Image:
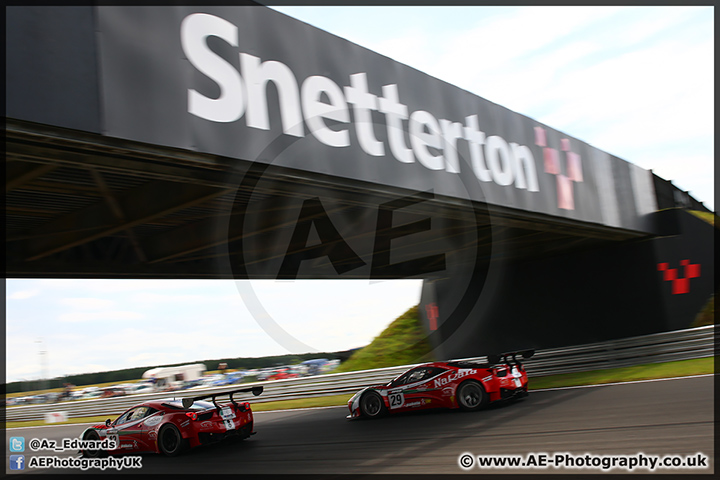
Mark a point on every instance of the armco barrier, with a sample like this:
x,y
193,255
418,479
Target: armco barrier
x,y
655,348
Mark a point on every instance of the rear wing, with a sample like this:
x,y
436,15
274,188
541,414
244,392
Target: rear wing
x,y
187,402
510,357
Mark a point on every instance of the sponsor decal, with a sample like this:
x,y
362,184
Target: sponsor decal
x,y
185,423
418,403
573,168
463,372
152,421
126,445
206,424
679,285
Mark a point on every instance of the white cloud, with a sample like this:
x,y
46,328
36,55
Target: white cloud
x,y
410,47
226,296
126,285
23,357
23,294
679,169
88,303
156,358
623,80
16,371
345,314
86,368
99,317
499,51
69,338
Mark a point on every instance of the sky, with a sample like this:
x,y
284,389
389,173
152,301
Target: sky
x,y
635,82
99,325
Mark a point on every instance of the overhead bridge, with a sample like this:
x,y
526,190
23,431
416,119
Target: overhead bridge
x,y
239,143
85,205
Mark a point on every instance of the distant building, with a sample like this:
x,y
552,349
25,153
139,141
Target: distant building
x,y
165,376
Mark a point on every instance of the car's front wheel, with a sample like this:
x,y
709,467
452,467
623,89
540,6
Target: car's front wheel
x,y
471,395
170,441
372,405
92,435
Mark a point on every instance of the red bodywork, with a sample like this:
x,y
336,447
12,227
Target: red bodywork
x,y
141,428
283,374
435,384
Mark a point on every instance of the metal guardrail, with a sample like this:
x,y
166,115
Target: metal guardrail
x,y
654,348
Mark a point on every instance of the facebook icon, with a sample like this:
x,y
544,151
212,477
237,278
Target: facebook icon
x,y
17,462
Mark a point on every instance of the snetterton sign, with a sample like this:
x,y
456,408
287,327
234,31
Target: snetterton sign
x,y
318,99
231,81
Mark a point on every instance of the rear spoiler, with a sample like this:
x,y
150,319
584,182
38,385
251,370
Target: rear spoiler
x,y
187,402
510,357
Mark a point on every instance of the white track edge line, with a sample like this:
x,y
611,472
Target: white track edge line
x,y
622,383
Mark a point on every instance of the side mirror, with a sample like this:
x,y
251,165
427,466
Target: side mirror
x,y
528,353
187,402
493,359
107,422
257,391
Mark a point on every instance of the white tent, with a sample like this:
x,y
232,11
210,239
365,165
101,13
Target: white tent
x,y
171,374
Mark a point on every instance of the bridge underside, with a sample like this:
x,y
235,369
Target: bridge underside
x,y
84,205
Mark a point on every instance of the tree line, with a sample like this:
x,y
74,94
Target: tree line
x,y
129,374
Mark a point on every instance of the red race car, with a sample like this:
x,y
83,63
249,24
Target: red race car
x,y
460,384
171,426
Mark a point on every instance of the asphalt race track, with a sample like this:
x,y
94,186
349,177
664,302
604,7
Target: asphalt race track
x,y
655,418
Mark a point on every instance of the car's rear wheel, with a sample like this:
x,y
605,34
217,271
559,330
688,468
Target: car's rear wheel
x,y
372,405
170,441
92,435
243,432
471,395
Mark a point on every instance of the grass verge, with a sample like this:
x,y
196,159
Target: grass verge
x,y
680,368
403,342
707,216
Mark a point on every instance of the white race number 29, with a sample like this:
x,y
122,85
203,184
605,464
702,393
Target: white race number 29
x,y
396,399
